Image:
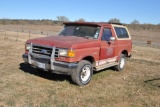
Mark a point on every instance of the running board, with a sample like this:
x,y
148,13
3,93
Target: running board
x,y
105,66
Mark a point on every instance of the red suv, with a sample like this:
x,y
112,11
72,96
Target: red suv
x,y
81,48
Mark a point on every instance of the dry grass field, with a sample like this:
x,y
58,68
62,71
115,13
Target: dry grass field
x,y
22,86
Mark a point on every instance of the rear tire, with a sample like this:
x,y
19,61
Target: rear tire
x,y
121,63
83,74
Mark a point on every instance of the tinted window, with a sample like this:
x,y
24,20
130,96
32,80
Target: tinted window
x,y
106,34
121,32
81,31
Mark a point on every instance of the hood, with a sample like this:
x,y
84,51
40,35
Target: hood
x,y
65,42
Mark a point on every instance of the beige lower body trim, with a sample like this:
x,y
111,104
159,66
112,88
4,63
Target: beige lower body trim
x,y
105,61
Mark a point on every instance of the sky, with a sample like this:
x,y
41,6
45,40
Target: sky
x,y
145,11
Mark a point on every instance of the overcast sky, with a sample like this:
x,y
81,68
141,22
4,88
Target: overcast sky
x,y
145,11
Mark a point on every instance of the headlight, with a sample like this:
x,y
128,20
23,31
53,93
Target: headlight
x,y
63,52
66,53
28,47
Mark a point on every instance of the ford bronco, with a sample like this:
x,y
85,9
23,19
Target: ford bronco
x,y
81,48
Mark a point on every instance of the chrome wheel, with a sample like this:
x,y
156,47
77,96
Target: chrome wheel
x,y
86,73
83,74
122,62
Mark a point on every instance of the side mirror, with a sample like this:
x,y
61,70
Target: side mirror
x,y
112,39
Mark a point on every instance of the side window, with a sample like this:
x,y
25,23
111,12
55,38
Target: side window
x,y
106,34
121,32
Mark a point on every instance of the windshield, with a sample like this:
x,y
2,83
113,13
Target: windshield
x,y
81,31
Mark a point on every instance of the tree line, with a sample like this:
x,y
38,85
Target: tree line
x,y
135,24
59,21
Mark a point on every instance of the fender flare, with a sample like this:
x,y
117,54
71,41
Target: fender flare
x,y
125,52
85,56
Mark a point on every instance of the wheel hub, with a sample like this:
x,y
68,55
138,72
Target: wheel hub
x,y
122,62
85,74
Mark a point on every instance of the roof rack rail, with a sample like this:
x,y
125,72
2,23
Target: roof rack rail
x,y
116,23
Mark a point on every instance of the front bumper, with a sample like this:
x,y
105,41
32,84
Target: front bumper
x,y
55,67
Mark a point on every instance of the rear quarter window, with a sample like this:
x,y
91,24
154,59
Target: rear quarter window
x,y
121,32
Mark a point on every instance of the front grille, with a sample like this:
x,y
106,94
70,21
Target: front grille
x,y
56,55
42,50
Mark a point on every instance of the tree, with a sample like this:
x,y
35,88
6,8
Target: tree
x,y
135,22
5,21
114,20
80,20
62,19
46,22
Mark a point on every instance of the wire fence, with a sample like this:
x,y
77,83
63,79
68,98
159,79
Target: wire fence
x,y
22,34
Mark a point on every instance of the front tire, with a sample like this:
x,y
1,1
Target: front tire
x,y
83,74
121,63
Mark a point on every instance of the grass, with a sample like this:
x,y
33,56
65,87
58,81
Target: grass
x,y
21,85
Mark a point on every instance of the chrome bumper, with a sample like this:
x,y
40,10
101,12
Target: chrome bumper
x,y
55,67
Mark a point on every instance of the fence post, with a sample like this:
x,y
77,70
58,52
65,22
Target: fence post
x,y
5,34
17,35
29,33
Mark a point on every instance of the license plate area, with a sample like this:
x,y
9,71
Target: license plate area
x,y
41,65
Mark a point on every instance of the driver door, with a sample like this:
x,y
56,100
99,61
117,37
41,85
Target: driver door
x,y
107,50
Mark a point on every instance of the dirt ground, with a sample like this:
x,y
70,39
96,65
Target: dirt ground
x,y
22,86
